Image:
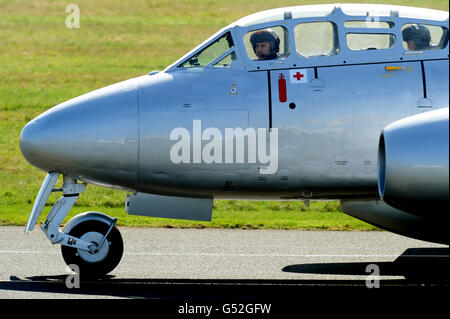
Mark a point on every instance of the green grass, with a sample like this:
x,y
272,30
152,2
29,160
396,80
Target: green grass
x,y
42,63
226,214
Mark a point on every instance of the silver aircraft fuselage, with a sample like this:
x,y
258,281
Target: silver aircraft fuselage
x,y
328,114
119,136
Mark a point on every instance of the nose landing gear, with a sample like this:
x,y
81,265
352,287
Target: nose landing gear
x,y
89,240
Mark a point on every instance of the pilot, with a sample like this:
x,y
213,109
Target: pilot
x,y
266,44
417,37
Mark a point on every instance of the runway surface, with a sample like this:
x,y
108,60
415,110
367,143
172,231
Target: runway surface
x,y
212,264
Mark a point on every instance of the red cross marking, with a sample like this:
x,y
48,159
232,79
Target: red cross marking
x,y
298,76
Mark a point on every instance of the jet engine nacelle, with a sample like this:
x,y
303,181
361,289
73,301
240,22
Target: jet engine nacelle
x,y
413,161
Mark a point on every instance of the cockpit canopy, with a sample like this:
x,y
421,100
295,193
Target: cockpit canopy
x,y
319,35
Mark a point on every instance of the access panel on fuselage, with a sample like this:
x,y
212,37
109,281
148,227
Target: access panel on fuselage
x,y
199,104
436,78
330,118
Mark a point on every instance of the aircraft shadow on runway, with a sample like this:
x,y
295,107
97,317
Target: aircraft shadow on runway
x,y
419,267
416,265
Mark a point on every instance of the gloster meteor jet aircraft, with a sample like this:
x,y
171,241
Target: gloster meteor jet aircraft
x,y
326,102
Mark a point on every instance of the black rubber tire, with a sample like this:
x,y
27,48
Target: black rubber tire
x,y
91,270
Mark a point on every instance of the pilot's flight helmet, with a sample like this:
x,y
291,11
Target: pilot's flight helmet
x,y
266,35
419,34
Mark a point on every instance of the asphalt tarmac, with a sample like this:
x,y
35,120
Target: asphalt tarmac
x,y
218,264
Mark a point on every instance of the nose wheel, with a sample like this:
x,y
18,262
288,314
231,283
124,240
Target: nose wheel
x,y
101,260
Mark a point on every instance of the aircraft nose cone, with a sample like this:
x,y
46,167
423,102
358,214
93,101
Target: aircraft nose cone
x,y
93,137
34,141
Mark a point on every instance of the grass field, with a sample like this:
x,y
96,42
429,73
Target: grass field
x,y
43,63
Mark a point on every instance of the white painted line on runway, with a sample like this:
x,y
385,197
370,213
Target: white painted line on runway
x,y
26,252
277,255
230,255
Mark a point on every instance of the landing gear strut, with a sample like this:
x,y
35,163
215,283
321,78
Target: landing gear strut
x,y
89,240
